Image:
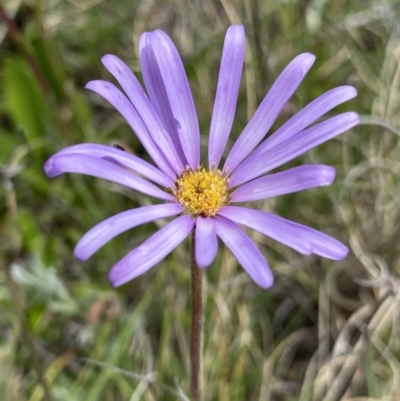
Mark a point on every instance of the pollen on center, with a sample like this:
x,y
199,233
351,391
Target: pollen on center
x,y
201,192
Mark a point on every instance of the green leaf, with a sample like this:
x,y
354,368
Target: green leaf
x,y
49,66
23,97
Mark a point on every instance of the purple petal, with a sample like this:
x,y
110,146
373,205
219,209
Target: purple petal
x,y
245,251
303,239
103,232
322,244
269,225
270,107
179,95
292,180
125,107
308,115
143,106
227,93
151,251
156,90
260,164
89,165
116,156
206,241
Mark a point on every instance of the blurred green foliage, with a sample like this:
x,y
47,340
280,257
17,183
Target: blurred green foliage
x,y
293,342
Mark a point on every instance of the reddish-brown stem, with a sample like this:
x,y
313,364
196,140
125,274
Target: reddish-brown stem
x,y
196,324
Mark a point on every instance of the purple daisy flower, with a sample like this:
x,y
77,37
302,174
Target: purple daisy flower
x,y
165,122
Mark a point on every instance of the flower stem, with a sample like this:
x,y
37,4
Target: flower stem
x,y
196,325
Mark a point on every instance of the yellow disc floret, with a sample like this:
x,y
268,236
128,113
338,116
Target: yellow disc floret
x,y
201,192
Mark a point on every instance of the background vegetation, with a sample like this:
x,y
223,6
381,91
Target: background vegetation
x,y
326,331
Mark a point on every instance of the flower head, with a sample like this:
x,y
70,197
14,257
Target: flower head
x,y
165,122
201,192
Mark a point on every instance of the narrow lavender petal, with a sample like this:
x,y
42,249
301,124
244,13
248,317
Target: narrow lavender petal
x,y
292,180
262,120
156,90
151,251
93,166
306,116
322,244
113,155
304,240
230,74
103,232
112,94
283,231
129,83
179,95
245,251
206,241
260,164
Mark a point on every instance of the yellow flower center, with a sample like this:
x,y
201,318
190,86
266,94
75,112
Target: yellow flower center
x,y
201,192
